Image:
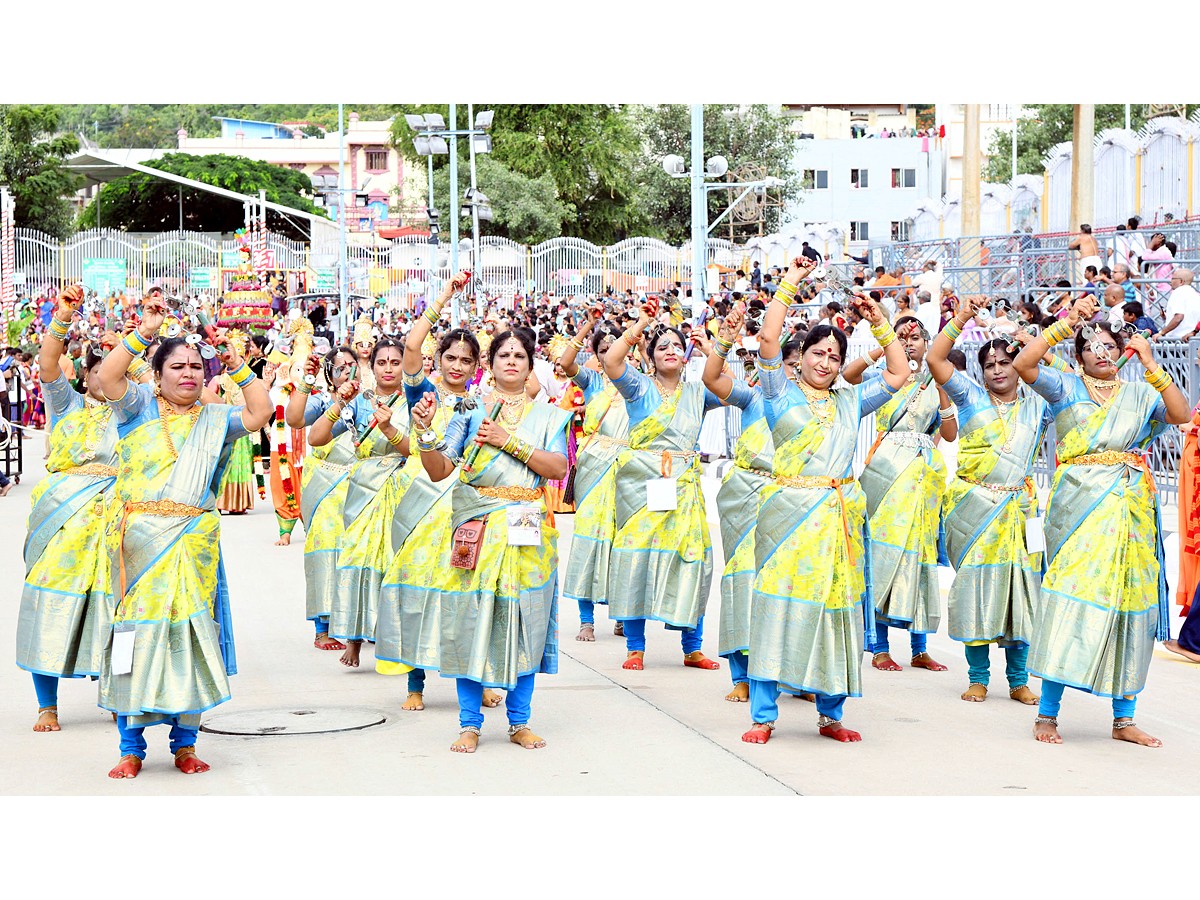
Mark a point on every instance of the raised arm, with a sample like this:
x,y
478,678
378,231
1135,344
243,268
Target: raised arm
x,y
297,404
258,407
614,359
1031,354
897,372
781,302
943,342
577,343
853,371
436,463
112,372
716,379
321,432
424,322
55,337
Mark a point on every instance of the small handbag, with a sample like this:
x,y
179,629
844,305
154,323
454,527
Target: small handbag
x,y
468,538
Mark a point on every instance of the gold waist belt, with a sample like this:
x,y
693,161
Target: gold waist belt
x,y
753,471
811,481
605,441
335,467
96,469
1108,458
511,493
1027,484
163,508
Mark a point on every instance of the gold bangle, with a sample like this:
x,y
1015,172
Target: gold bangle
x,y
331,415
952,330
1058,332
396,438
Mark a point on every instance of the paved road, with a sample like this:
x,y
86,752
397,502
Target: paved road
x,y
665,730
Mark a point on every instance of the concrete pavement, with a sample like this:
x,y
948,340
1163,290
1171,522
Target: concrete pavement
x,y
665,730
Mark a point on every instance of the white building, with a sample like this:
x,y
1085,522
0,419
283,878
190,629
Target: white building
x,y
871,187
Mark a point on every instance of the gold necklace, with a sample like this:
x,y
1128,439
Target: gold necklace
x,y
1002,408
663,392
164,410
513,406
91,438
818,402
1096,385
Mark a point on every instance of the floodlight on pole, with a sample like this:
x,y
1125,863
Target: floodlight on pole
x,y
674,166
716,167
415,122
483,120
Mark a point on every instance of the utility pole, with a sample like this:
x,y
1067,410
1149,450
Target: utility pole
x,y
699,210
1083,134
455,312
475,254
342,272
969,255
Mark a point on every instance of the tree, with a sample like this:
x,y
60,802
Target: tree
x,y
589,151
1052,123
526,210
749,136
140,202
31,164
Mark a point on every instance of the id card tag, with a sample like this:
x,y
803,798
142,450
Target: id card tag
x,y
662,494
1035,534
122,648
524,525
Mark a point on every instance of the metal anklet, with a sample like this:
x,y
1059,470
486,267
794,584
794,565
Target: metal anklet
x,y
1046,720
469,728
514,729
1118,725
827,722
770,726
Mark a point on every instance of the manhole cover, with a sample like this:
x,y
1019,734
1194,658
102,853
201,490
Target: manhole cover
x,y
260,722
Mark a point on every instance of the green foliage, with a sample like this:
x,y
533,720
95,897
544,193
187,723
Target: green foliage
x,y
1052,124
31,157
526,210
155,125
140,202
753,136
16,328
588,150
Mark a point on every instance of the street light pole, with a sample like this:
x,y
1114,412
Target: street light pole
x,y
342,274
455,313
474,216
699,210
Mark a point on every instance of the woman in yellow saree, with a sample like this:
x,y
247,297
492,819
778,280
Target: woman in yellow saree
x,y
737,500
661,556
323,486
171,648
377,422
811,606
606,433
1104,594
66,598
997,581
495,621
903,481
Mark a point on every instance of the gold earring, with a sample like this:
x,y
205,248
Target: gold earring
x,y
157,388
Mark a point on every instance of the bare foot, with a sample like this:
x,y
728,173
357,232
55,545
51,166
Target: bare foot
x,y
47,719
325,642
492,699
635,659
187,762
128,767
350,657
811,698
1174,647
587,632
284,540
840,732
619,629
1133,734
4,490
415,701
740,693
759,733
975,693
925,661
527,739
1046,731
466,743
1024,695
884,662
